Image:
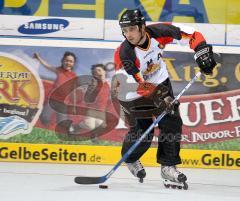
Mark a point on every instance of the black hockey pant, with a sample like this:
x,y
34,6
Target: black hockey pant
x,y
168,141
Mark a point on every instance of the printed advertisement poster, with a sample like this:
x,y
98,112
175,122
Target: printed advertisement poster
x,y
42,105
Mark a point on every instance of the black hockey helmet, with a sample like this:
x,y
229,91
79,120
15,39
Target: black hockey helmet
x,y
131,18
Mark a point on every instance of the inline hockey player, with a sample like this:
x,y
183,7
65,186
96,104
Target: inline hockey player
x,y
139,61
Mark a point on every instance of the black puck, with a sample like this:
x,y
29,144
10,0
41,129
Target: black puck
x,y
103,186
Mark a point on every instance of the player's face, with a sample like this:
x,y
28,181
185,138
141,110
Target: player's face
x,y
132,34
68,62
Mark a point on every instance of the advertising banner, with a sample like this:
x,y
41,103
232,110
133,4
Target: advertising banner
x,y
191,11
36,104
109,155
51,27
210,109
90,28
21,96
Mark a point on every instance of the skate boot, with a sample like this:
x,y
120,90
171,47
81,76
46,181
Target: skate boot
x,y
173,178
137,170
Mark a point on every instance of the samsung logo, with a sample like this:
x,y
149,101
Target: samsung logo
x,y
44,26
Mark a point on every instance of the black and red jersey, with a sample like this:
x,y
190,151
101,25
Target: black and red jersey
x,y
147,65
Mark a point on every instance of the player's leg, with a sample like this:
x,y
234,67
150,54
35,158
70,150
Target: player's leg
x,y
169,140
135,132
169,148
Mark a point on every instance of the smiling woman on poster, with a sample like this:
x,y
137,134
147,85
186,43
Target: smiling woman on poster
x,y
64,73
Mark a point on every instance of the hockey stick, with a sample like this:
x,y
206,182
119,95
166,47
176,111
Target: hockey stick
x,y
102,179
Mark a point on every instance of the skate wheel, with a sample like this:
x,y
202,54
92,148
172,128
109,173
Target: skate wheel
x,y
167,185
141,180
180,187
185,187
174,186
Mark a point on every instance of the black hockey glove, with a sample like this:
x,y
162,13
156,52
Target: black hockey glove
x,y
204,58
166,104
170,107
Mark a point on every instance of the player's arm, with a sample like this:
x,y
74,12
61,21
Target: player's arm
x,y
166,33
203,51
204,57
44,63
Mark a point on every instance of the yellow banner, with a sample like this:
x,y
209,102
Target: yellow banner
x,y
198,11
217,12
110,155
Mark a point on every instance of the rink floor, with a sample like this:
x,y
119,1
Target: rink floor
x,y
54,182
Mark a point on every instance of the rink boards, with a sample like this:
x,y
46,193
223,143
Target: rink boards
x,y
110,155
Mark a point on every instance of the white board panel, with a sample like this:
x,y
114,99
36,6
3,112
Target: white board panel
x,y
233,35
12,25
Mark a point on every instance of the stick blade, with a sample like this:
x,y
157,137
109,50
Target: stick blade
x,y
89,180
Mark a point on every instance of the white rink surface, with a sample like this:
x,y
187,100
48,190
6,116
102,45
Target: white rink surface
x,y
54,182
